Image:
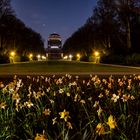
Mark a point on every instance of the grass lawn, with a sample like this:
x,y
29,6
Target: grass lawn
x,y
44,67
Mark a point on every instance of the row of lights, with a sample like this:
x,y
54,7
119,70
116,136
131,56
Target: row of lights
x,y
67,57
39,57
78,56
70,56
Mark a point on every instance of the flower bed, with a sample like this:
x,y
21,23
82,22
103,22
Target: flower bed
x,y
69,108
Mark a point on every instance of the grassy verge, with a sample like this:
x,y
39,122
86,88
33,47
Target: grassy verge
x,y
60,67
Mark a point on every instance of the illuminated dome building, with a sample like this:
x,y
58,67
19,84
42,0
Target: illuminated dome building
x,y
54,49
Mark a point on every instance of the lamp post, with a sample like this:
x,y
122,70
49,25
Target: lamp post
x,y
70,57
78,56
30,56
97,56
38,57
12,57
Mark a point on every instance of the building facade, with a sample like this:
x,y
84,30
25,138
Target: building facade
x,y
54,47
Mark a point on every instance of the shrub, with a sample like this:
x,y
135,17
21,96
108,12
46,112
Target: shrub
x,y
84,58
112,59
24,58
4,59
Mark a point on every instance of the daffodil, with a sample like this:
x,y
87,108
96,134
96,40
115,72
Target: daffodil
x,y
40,137
100,129
3,105
1,85
96,104
16,97
125,97
115,98
61,91
111,122
99,111
69,125
82,101
54,121
47,112
64,115
28,104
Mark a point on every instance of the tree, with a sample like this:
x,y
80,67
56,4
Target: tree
x,y
81,41
125,9
14,35
5,11
5,8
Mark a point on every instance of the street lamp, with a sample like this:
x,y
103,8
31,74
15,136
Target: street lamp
x,y
12,56
70,57
96,53
97,56
78,56
12,53
38,57
30,56
65,57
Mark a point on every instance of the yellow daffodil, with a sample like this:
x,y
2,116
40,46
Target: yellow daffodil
x,y
40,137
54,121
16,97
115,98
111,122
125,97
1,85
64,115
28,104
96,104
69,125
47,112
82,101
99,111
3,105
100,129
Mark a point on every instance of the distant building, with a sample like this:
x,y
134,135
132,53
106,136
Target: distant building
x,y
54,47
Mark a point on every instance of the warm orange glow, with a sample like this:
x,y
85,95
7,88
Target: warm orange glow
x,y
31,55
78,55
96,53
12,53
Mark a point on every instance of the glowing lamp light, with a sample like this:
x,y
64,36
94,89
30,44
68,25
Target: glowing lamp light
x,y
43,57
38,56
70,56
78,56
65,57
97,57
12,57
96,53
12,53
31,55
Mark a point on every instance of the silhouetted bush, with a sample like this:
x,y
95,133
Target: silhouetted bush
x,y
113,59
34,58
24,58
133,59
4,59
84,58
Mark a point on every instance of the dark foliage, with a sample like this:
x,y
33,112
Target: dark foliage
x,y
114,28
15,35
4,59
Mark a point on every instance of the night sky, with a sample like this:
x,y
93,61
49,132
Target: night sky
x,y
47,16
